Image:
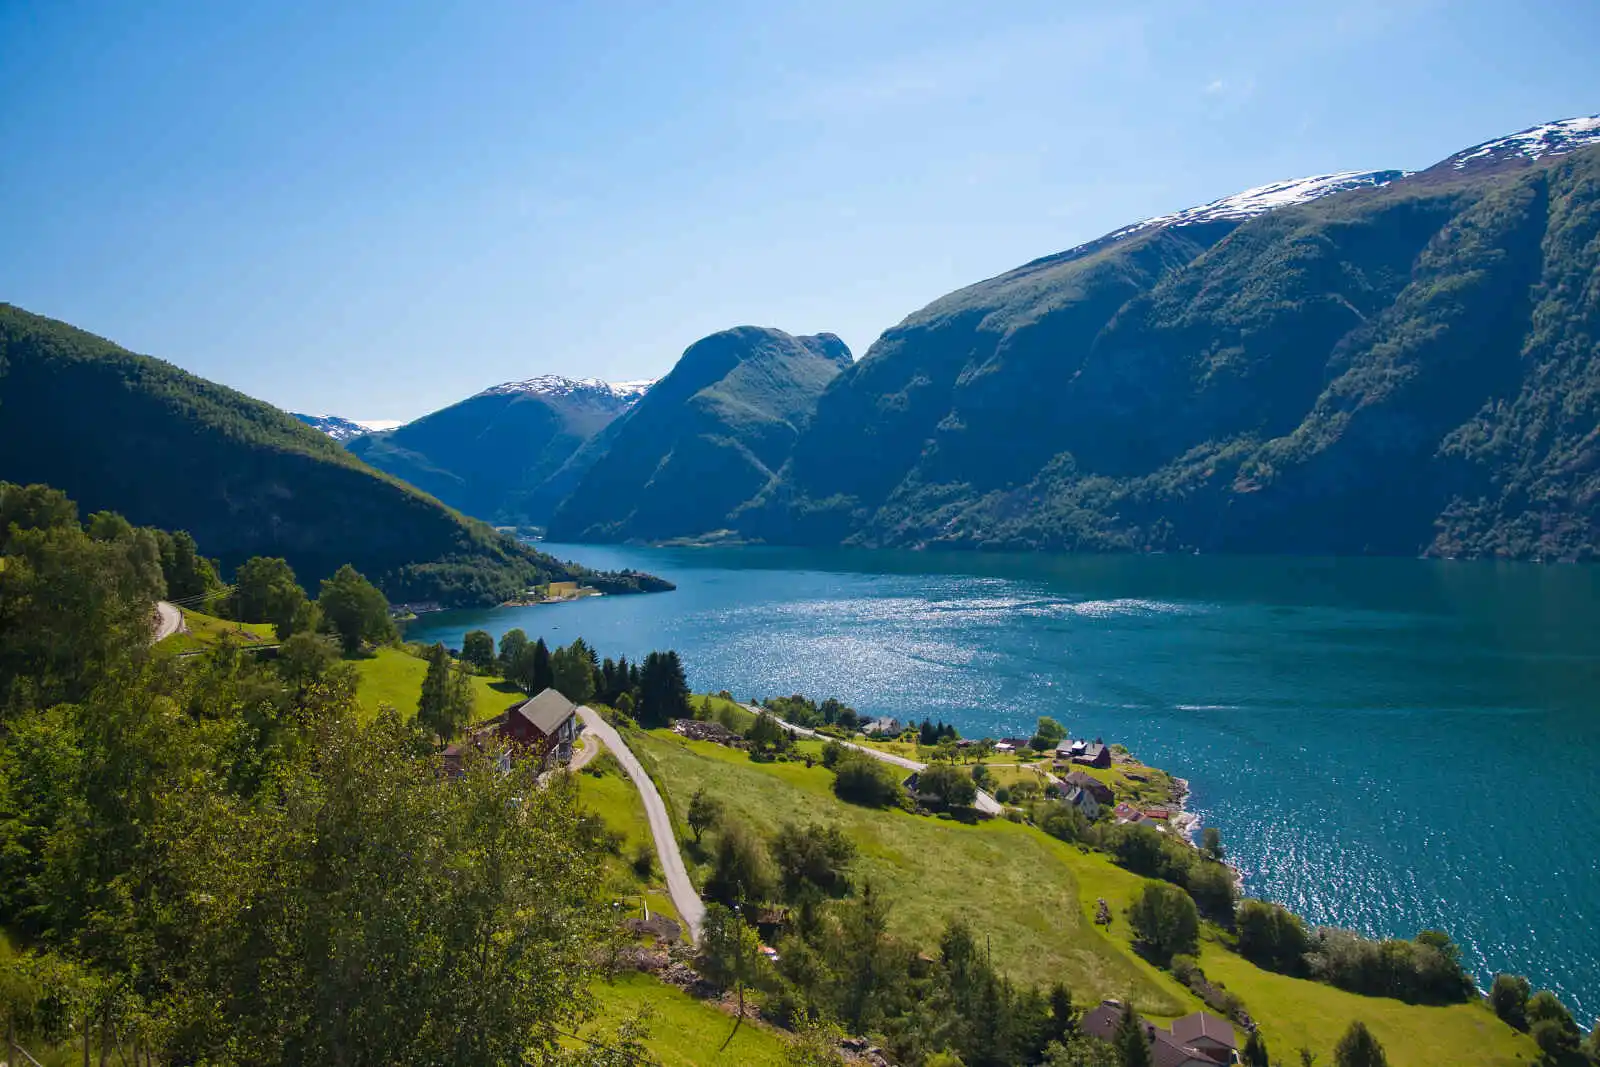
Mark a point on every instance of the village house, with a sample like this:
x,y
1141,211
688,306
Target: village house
x,y
1090,753
1083,800
1167,1048
881,727
1128,813
541,728
1098,789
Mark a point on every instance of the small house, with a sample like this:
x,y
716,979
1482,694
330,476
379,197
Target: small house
x,y
1095,754
1128,813
1166,1048
1085,780
1207,1033
1083,800
882,727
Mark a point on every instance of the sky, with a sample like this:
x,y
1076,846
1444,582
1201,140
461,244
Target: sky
x,y
377,209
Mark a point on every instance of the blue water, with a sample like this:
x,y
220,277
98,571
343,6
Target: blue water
x,y
1387,745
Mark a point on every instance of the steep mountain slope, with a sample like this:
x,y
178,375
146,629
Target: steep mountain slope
x,y
337,427
1404,366
702,440
130,433
493,454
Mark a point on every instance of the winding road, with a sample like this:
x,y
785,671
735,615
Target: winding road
x,y
168,621
691,909
985,803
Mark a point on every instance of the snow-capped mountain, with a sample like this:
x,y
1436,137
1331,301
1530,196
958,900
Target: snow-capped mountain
x,y
1535,142
1265,198
557,385
342,429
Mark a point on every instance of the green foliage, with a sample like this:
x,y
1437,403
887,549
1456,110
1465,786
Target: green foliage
x,y
447,701
1254,1053
1211,843
1358,1048
355,610
663,690
704,811
1129,1040
571,670
1165,920
860,779
265,590
1271,936
764,733
1508,995
947,786
477,648
1426,970
741,871
812,858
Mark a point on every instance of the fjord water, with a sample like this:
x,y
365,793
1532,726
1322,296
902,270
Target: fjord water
x,y
1388,745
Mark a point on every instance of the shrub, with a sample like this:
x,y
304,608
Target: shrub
x,y
1509,996
1061,820
813,856
947,786
1427,970
1003,795
1213,888
1272,937
741,873
644,860
863,780
832,752
1165,920
1358,1048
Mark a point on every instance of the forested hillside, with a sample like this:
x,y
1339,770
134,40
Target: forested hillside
x,y
1400,369
703,440
493,455
133,434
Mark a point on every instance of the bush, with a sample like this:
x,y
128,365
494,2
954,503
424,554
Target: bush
x,y
741,873
1185,968
1273,937
947,786
813,856
1165,920
1509,996
1003,795
863,780
644,861
1214,890
832,752
1061,820
1427,970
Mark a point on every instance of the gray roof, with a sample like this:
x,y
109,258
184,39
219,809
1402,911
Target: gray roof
x,y
547,711
1204,1024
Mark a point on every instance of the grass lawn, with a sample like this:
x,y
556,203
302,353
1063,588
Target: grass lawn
x,y
685,1032
1158,789
206,630
1296,1013
1032,896
394,676
709,706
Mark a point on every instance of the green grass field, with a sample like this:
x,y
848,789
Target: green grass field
x,y
612,795
206,630
685,1032
710,706
394,676
1033,898
1031,895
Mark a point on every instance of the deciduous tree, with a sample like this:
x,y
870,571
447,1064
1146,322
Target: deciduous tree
x,y
1358,1048
355,609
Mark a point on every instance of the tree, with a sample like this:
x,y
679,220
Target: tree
x,y
573,675
1050,730
1130,1040
663,690
1165,920
730,955
433,707
355,609
1211,843
765,733
1214,889
541,673
1271,936
1358,1048
1509,995
980,774
1546,1006
741,873
1558,1045
812,857
265,590
863,780
304,658
189,575
1255,1051
950,786
477,648
704,811
512,643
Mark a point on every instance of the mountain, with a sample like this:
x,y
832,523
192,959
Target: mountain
x,y
337,427
493,455
133,434
1358,363
701,441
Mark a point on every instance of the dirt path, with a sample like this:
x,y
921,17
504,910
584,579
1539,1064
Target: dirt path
x,y
169,620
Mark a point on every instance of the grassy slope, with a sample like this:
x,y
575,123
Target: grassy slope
x,y
206,630
1034,898
611,795
394,676
685,1032
1040,928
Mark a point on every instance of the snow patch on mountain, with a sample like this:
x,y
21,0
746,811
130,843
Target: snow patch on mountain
x,y
557,385
1265,198
342,429
1551,138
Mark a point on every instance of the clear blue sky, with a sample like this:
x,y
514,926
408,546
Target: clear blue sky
x,y
375,209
